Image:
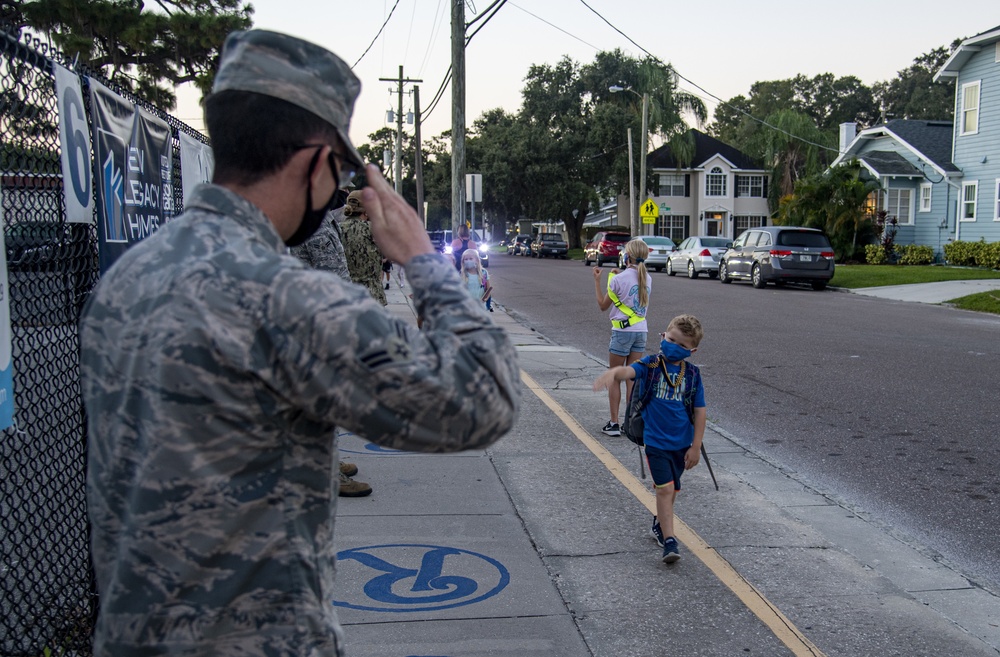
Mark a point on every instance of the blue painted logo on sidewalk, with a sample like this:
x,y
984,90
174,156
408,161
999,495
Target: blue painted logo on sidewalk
x,y
412,577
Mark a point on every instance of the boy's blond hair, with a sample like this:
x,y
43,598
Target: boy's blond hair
x,y
689,326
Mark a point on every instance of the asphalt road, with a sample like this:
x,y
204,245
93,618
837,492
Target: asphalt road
x,y
890,407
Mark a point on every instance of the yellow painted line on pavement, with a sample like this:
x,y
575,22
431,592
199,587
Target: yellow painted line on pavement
x,y
761,607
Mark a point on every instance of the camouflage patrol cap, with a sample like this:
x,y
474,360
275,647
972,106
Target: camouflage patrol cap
x,y
293,70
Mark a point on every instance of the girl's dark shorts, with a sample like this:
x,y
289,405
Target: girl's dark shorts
x,y
666,465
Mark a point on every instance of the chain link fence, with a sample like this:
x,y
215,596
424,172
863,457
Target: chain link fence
x,y
48,600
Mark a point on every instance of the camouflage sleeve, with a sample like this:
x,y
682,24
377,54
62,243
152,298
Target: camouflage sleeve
x,y
453,385
324,250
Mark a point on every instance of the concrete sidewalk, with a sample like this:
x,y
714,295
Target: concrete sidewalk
x,y
537,547
939,292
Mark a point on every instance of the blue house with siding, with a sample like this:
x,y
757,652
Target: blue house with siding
x,y
975,67
920,184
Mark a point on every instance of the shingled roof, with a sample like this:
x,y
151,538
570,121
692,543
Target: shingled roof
x,y
706,148
932,138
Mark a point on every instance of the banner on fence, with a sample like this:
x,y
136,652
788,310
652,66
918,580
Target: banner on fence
x,y
74,139
6,362
132,158
197,164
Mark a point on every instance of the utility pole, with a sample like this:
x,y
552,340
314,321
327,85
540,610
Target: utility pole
x,y
457,115
398,175
645,149
633,224
418,165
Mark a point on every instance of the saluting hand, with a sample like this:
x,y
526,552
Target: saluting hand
x,y
396,227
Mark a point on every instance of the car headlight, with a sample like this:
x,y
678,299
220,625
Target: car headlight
x,y
447,249
484,249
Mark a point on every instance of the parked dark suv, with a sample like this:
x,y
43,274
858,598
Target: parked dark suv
x,y
605,247
549,244
780,254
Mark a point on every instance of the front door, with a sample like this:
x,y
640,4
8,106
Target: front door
x,y
713,223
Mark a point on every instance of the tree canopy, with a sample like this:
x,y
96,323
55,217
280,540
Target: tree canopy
x,y
565,149
913,94
147,51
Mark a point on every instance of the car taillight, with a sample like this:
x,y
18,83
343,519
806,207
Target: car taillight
x,y
777,253
827,254
705,253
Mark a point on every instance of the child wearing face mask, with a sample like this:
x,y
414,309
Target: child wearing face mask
x,y
476,279
674,419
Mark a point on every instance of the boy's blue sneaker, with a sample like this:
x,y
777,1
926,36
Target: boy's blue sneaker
x,y
671,552
656,532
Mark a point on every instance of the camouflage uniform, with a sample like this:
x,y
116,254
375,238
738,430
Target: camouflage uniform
x,y
324,250
214,368
364,260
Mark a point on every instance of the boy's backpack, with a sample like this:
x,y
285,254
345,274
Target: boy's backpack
x,y
633,426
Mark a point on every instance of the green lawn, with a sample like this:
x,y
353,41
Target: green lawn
x,y
852,276
984,302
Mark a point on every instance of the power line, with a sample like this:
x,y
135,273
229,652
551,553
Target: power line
x,y
377,35
697,86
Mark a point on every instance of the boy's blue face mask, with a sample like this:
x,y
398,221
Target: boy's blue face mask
x,y
673,352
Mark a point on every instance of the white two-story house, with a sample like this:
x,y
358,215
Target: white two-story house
x,y
719,192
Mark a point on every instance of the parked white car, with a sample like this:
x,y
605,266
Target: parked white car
x,y
659,249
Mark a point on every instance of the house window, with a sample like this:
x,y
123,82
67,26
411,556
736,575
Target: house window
x,y
899,205
970,108
715,183
925,197
970,192
671,184
743,222
750,186
674,226
996,202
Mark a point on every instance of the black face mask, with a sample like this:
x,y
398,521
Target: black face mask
x,y
312,219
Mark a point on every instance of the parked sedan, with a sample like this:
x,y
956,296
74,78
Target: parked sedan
x,y
659,249
516,245
697,255
782,254
549,244
605,247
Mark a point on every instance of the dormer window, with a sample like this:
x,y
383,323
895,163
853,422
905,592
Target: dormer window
x,y
715,182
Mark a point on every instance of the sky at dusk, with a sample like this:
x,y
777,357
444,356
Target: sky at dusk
x,y
722,46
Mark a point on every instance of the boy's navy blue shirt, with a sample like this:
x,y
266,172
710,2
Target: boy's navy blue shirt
x,y
667,425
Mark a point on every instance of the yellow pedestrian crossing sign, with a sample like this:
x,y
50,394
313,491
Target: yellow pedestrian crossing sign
x,y
649,211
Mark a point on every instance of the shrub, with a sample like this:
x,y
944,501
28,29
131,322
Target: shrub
x,y
989,255
914,254
875,254
962,254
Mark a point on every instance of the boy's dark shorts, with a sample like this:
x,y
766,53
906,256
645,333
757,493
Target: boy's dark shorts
x,y
666,465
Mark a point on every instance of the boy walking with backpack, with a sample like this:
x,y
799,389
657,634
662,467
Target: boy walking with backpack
x,y
674,418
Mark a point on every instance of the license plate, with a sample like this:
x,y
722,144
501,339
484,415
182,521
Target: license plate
x,y
805,258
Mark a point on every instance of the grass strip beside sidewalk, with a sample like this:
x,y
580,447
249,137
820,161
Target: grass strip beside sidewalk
x,y
855,276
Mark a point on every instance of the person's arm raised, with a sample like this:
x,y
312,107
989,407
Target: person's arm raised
x,y
396,227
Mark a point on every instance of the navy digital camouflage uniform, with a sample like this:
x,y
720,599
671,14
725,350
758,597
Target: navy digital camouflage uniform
x,y
364,260
214,368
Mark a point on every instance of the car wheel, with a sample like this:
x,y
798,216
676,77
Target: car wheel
x,y
819,286
692,272
670,268
586,259
757,278
724,273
